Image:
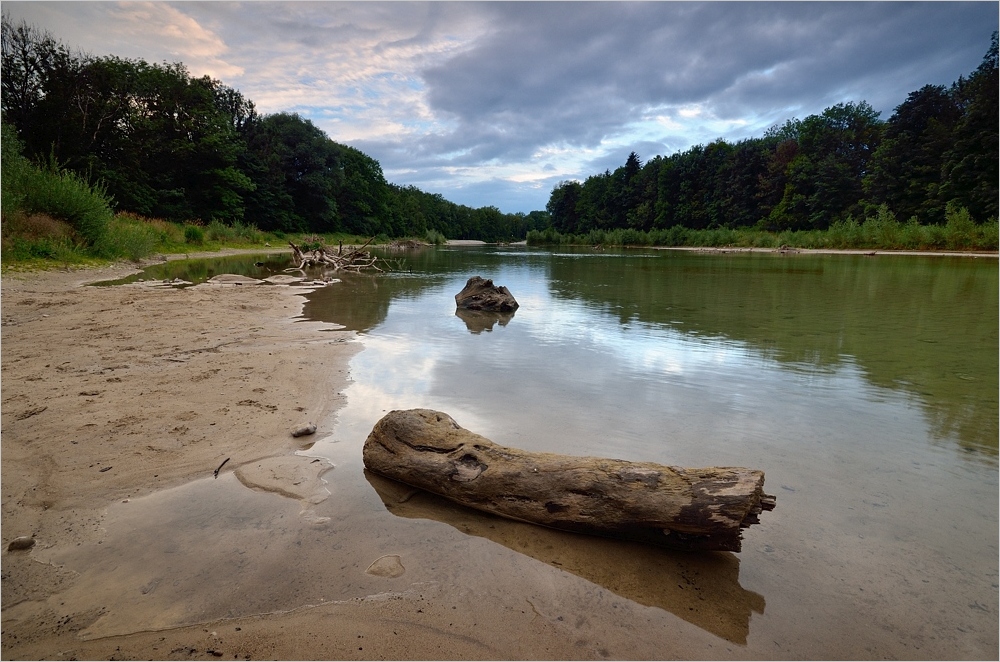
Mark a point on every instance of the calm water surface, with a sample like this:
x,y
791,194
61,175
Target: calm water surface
x,y
866,389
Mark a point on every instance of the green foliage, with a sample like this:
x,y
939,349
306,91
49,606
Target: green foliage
x,y
435,238
129,238
66,195
879,232
155,141
959,228
59,193
24,249
15,169
194,235
311,242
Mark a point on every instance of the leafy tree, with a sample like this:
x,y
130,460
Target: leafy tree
x,y
971,165
362,198
825,178
562,207
28,57
297,172
906,169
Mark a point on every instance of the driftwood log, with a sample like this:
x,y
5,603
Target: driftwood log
x,y
691,509
337,260
481,294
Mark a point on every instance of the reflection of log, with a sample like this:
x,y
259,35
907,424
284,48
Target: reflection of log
x,y
694,509
702,589
477,321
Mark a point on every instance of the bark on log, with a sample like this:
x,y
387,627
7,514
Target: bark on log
x,y
691,509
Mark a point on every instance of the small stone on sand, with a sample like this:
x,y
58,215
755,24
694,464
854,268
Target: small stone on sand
x,y
388,566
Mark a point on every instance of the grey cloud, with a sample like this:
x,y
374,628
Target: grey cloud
x,y
568,71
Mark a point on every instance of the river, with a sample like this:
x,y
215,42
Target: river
x,y
866,389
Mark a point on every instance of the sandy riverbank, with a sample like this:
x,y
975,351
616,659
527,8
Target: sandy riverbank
x,y
109,394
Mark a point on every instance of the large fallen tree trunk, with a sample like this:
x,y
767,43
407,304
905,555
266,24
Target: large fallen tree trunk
x,y
693,509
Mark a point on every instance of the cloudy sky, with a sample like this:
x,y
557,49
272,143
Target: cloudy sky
x,y
495,103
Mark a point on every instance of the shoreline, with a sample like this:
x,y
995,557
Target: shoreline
x,y
826,251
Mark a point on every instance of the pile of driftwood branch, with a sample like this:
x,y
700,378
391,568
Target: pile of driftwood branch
x,y
325,257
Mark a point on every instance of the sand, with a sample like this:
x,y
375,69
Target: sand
x,y
113,393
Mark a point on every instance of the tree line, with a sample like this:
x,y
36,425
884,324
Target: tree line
x,y
937,152
163,143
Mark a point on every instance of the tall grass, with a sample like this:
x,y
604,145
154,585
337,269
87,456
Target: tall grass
x,y
51,214
129,237
237,233
48,211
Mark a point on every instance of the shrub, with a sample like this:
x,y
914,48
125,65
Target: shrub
x,y
52,191
434,237
989,235
129,238
219,231
194,235
68,196
882,230
311,242
22,249
959,227
14,170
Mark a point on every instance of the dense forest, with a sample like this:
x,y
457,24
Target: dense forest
x,y
161,143
165,144
938,151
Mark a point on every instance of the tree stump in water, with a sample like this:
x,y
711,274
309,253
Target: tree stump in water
x,y
691,509
481,294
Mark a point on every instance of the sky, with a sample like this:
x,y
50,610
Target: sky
x,y
494,104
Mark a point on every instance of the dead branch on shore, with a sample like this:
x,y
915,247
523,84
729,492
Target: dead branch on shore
x,y
325,257
220,467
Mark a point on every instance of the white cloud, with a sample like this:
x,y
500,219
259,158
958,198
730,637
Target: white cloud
x,y
201,49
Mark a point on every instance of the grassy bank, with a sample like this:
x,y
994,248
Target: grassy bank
x,y
54,216
37,240
879,232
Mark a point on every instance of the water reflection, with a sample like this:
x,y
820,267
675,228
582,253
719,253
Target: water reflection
x,y
259,266
477,321
702,589
926,327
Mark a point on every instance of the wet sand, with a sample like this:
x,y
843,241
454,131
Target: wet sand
x,y
112,395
